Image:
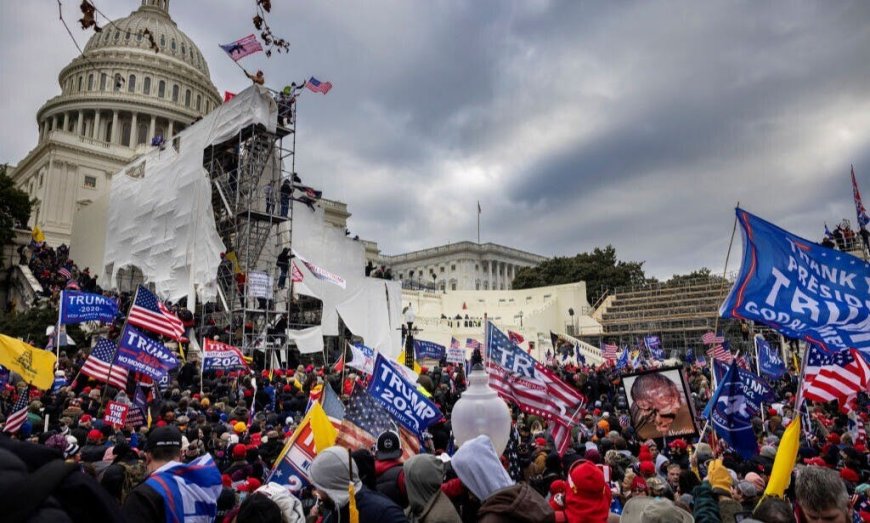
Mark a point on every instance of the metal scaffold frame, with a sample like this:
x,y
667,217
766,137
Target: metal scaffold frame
x,y
255,222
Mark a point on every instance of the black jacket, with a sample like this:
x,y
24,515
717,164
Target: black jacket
x,y
372,507
143,505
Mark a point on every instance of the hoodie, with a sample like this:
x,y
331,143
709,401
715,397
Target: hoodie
x,y
479,468
517,503
426,502
329,473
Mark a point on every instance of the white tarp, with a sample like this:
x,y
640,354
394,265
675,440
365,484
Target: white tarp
x,y
308,340
371,308
160,215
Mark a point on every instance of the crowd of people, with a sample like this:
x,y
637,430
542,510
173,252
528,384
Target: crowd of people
x,y
241,421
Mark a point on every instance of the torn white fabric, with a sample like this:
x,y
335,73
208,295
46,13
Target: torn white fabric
x,y
160,215
308,340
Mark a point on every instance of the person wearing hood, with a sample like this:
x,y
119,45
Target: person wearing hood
x,y
426,503
291,507
480,470
587,496
330,476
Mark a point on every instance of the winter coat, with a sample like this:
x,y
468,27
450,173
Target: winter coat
x,y
515,504
706,509
427,504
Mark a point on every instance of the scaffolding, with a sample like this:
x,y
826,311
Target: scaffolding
x,y
254,217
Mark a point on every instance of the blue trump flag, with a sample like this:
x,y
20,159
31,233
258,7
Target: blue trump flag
x,y
401,398
141,353
76,307
690,356
428,350
730,412
801,289
769,360
622,362
654,344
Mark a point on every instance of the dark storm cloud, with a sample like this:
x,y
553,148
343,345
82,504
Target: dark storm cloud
x,y
576,124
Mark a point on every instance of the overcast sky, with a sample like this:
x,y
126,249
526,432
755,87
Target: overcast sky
x,y
575,124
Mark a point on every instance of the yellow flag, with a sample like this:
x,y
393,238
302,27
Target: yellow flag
x,y
401,359
37,234
786,455
36,366
352,511
322,429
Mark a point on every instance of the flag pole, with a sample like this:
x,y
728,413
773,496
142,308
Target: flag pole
x,y
724,276
758,371
235,62
478,222
57,334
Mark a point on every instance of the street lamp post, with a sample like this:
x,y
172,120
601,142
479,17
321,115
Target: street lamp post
x,y
410,316
480,411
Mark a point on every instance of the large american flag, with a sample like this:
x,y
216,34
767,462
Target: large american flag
x,y
364,420
719,352
519,378
837,376
149,313
242,47
99,365
18,414
315,85
608,352
710,338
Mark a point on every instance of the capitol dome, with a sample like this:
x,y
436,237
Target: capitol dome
x,y
123,92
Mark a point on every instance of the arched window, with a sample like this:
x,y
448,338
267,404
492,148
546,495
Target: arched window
x,y
198,102
175,93
187,98
81,79
125,133
142,134
91,82
119,81
139,36
131,84
103,79
146,85
183,49
117,35
172,45
161,89
162,41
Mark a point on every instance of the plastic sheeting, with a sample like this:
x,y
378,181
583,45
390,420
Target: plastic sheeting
x,y
160,215
369,307
308,340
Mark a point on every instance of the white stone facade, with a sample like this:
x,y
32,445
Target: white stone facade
x,y
460,266
114,99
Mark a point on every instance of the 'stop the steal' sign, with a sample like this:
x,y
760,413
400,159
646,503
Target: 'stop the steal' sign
x,y
401,398
116,414
799,288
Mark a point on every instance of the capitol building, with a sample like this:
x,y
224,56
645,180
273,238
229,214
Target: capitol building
x,y
115,97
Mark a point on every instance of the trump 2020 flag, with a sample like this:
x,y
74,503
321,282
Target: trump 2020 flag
x,y
769,359
401,398
138,352
221,356
801,289
731,414
428,350
76,307
654,344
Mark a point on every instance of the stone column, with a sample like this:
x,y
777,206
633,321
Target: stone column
x,y
133,132
54,123
489,274
65,121
169,130
80,123
114,137
96,134
151,129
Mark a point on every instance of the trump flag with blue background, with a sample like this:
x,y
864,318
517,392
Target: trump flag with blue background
x,y
140,353
799,288
769,359
401,398
428,350
730,412
76,307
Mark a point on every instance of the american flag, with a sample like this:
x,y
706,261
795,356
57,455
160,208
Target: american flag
x,y
718,352
63,271
149,313
742,363
99,365
519,378
333,406
609,351
364,420
710,338
295,273
471,343
315,85
18,414
242,47
863,219
454,343
837,376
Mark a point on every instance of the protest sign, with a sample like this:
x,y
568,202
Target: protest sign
x,y
401,398
116,414
455,355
